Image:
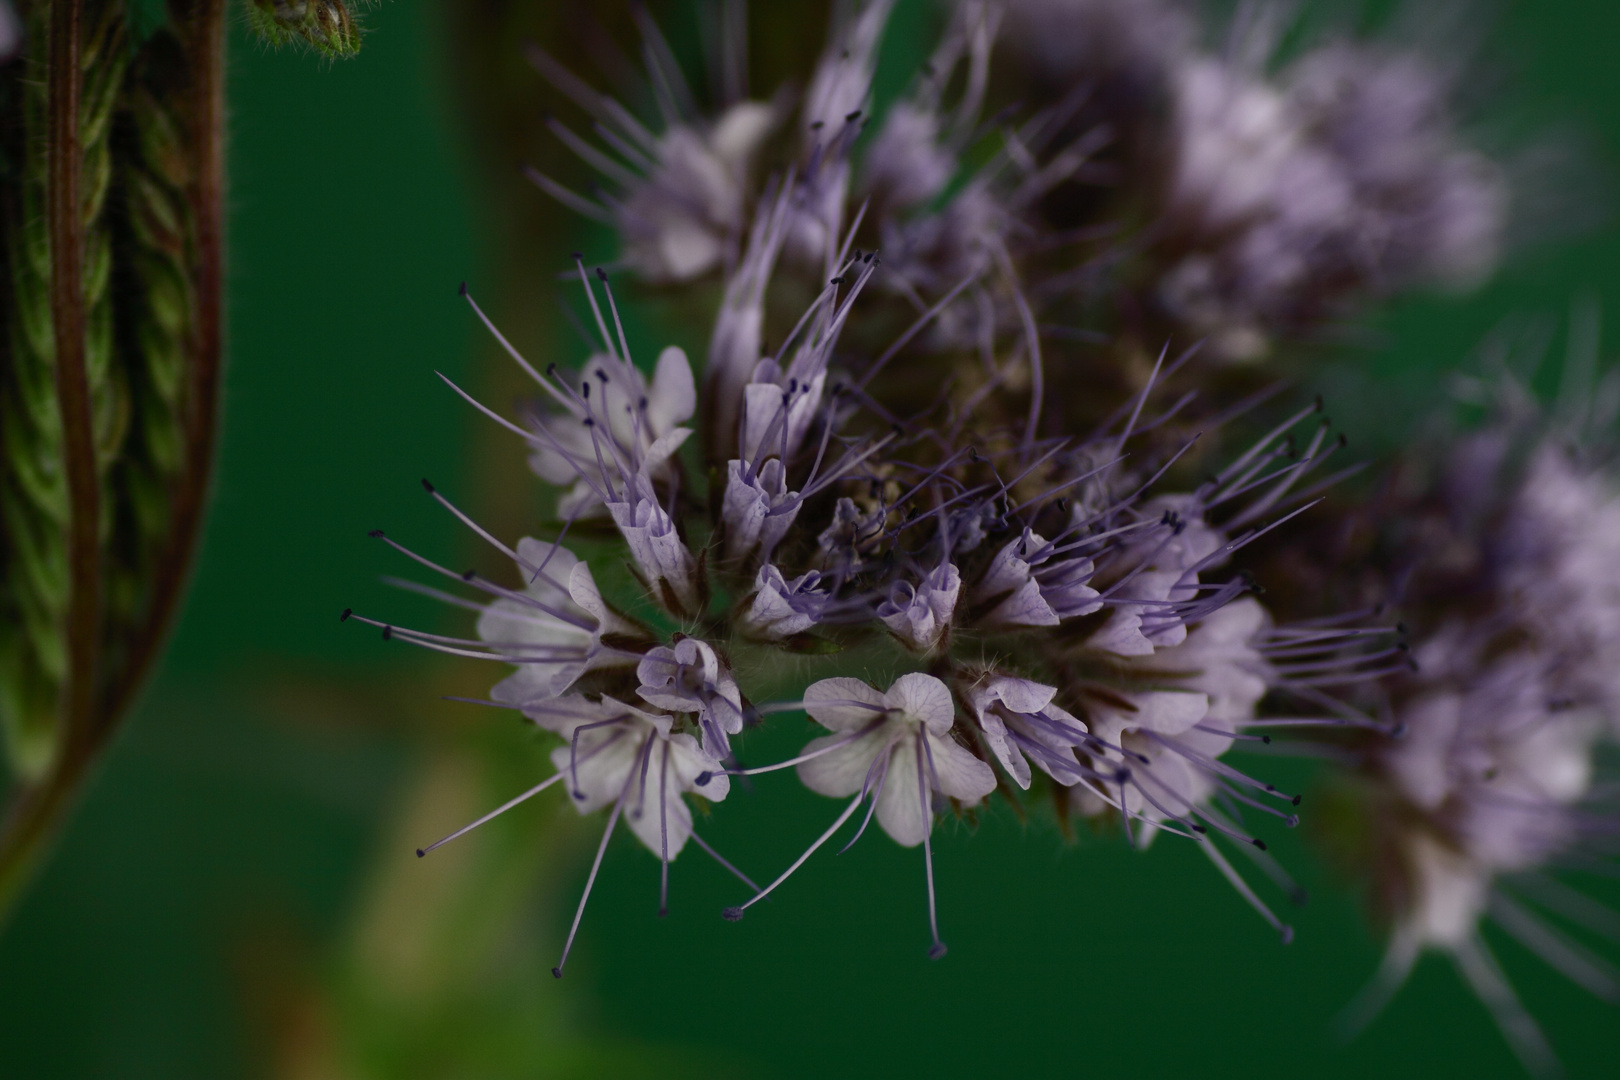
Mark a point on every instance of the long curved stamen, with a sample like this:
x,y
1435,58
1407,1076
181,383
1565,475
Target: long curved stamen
x,y
732,914
497,812
927,780
596,864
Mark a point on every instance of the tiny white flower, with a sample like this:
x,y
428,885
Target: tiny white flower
x,y
690,677
1036,587
632,427
553,629
920,615
617,751
757,509
895,745
656,547
1161,566
781,608
1020,722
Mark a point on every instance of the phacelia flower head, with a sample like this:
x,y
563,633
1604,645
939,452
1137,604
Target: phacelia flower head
x,y
920,508
1489,779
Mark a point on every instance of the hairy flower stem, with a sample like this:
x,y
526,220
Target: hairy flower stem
x,y
136,388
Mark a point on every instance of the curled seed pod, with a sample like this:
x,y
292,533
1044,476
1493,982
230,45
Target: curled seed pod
x,y
35,486
108,385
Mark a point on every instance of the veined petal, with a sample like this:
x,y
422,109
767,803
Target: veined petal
x,y
900,807
844,704
958,773
925,700
842,771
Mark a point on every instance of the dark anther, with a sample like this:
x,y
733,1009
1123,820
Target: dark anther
x,y
857,254
817,125
388,632
420,853
973,453
469,575
1266,739
897,429
703,779
463,289
1259,843
601,275
1344,440
556,973
793,385
427,487
1197,828
1296,800
839,280
1063,504
585,392
375,534
662,912
601,376
346,613
856,115
576,256
732,914
551,369
1400,628
1319,405
936,950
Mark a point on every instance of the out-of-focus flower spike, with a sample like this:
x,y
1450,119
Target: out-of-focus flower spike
x,y
736,343
683,194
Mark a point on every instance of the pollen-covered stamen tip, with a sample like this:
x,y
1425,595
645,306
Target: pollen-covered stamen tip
x,y
732,914
346,613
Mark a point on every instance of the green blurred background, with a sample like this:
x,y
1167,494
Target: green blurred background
x,y
238,895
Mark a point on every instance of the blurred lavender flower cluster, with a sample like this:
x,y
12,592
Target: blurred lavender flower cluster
x,y
971,478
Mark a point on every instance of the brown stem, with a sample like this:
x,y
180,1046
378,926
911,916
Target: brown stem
x,y
32,820
201,22
65,211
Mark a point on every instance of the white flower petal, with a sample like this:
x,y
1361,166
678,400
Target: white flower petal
x,y
673,398
958,773
844,704
925,700
841,772
900,808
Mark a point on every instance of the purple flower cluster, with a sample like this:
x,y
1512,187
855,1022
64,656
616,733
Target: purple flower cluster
x,y
940,461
